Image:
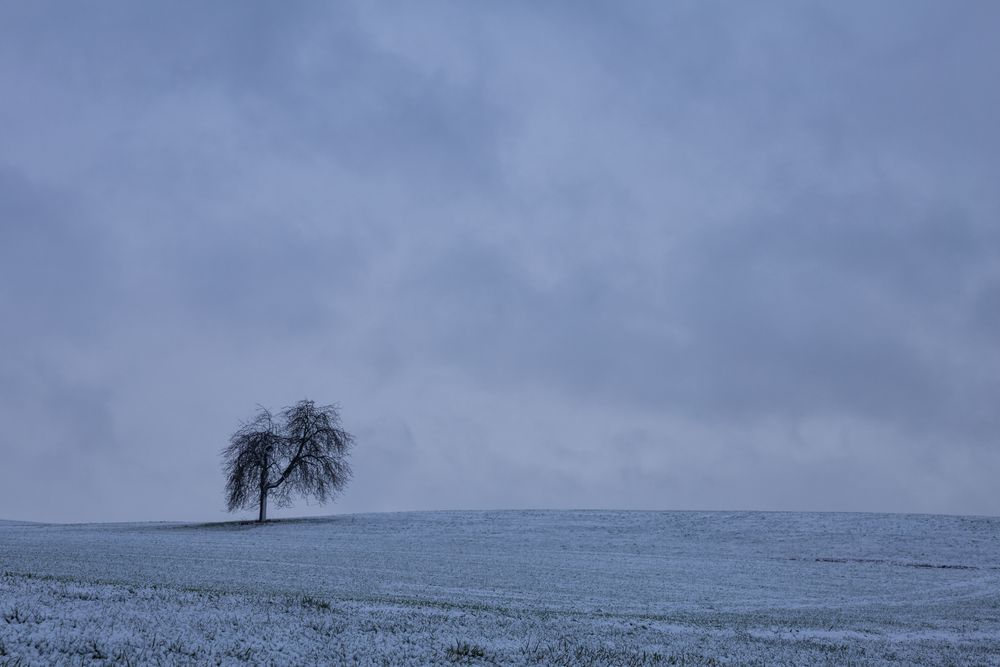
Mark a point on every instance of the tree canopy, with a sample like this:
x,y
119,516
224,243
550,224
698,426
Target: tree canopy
x,y
301,451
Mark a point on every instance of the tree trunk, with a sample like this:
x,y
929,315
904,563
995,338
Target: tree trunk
x,y
262,517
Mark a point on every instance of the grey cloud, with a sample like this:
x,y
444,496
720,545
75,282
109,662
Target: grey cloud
x,y
123,50
821,309
691,233
985,313
271,278
54,263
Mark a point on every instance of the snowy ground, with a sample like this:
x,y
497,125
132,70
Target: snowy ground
x,y
547,588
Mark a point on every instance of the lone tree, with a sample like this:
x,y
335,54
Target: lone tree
x,y
303,451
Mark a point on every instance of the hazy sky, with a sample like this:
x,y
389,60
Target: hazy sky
x,y
665,255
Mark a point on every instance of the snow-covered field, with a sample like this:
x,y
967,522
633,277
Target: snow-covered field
x,y
517,587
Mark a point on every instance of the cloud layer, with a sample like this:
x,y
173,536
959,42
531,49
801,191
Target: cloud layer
x,y
669,255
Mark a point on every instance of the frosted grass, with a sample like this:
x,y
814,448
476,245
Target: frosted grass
x,y
570,588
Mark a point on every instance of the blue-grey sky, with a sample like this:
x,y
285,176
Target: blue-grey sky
x,y
665,255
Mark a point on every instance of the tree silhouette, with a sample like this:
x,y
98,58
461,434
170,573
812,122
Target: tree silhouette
x,y
303,452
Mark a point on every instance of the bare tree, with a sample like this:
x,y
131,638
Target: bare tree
x,y
304,452
249,461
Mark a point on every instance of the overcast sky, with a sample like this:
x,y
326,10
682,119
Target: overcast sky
x,y
659,255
